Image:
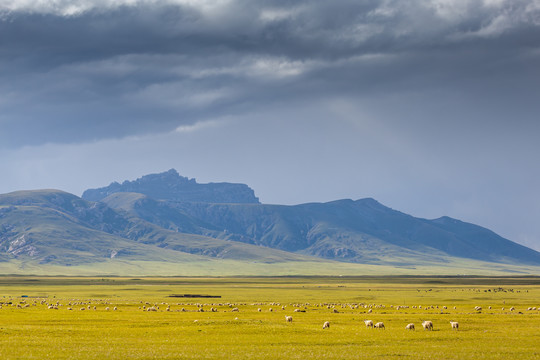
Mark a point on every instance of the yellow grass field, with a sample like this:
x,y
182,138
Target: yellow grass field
x,y
30,330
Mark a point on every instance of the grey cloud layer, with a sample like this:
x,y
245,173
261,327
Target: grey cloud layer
x,y
83,70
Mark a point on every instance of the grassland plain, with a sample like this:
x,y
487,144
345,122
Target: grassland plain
x,y
29,329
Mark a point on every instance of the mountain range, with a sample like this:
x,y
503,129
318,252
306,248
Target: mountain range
x,y
167,224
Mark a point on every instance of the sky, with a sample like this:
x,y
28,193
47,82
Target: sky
x,y
429,106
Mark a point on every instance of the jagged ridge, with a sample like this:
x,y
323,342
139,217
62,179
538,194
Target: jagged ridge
x,y
170,185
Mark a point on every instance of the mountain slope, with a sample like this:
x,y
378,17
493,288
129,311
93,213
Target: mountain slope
x,y
49,236
360,231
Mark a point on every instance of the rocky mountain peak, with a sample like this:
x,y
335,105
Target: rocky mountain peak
x,y
170,185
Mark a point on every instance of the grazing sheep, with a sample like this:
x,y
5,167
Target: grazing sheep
x,y
512,308
379,325
107,308
259,309
478,308
454,324
369,311
369,323
410,326
115,308
151,309
326,325
428,325
288,318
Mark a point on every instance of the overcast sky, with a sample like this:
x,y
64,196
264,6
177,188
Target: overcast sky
x,y
429,106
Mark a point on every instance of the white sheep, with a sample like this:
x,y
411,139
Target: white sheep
x,y
379,325
326,325
288,318
454,324
369,323
428,325
410,326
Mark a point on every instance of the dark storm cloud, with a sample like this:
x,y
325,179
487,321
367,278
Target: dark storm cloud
x,y
82,70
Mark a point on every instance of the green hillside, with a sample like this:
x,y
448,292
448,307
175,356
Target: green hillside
x,y
48,236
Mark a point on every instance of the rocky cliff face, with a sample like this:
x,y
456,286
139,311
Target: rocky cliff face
x,y
171,186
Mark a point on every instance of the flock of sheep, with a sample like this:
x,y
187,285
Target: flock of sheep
x,y
89,305
428,324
